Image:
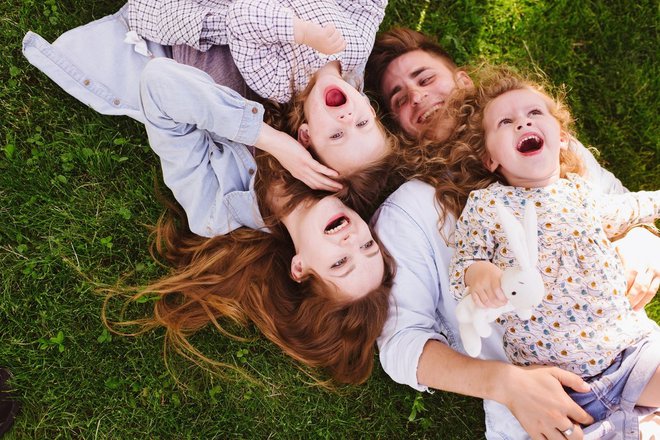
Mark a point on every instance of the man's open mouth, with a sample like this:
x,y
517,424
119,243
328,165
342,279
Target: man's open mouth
x,y
530,143
334,97
336,224
430,112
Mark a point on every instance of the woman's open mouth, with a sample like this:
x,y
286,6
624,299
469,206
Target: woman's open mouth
x,y
529,144
334,97
336,224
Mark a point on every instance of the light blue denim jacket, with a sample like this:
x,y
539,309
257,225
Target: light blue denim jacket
x,y
204,158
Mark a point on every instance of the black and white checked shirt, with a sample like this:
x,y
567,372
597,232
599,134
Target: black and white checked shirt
x,y
260,35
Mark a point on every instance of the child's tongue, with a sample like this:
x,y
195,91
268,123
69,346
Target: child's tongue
x,y
334,98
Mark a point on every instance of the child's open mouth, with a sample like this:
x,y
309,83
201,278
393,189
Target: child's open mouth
x,y
334,97
530,143
336,224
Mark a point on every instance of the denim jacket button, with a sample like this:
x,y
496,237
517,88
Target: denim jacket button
x,y
86,82
251,171
254,110
116,101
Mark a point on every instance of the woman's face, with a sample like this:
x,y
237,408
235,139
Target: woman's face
x,y
416,85
341,125
335,243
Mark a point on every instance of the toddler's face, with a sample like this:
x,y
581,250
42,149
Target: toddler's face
x,y
523,138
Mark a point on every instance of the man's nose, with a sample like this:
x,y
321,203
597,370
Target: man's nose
x,y
417,96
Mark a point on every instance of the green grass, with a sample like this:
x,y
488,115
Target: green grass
x,y
76,190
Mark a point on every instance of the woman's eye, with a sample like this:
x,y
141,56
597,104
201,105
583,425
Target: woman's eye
x,y
362,123
337,135
367,245
339,263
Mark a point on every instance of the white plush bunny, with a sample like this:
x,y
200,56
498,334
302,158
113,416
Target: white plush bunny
x,y
523,285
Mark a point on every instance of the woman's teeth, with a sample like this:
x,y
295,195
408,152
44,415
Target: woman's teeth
x,y
336,225
427,114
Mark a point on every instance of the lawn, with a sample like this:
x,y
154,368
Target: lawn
x,y
76,191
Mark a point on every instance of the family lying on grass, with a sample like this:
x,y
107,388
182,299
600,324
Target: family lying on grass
x,y
276,160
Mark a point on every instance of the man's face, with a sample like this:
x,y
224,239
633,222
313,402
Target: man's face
x,y
416,85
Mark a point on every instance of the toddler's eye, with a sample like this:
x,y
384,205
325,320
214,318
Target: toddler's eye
x,y
339,263
367,245
536,112
337,135
505,121
362,123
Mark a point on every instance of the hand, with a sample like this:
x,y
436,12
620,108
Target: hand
x,y
296,159
325,39
484,280
639,251
536,398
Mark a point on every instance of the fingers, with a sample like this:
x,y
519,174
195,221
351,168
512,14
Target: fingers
x,y
644,287
571,432
488,297
323,183
571,380
334,40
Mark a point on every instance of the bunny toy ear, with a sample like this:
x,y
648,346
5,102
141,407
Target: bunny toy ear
x,y
532,239
518,235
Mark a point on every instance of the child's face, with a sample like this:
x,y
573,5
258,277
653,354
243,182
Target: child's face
x,y
341,126
416,85
523,138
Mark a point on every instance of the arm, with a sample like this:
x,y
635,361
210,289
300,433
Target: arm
x,y
471,263
601,179
534,395
196,23
620,212
185,111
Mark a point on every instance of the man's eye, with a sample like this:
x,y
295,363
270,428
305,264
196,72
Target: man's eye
x,y
427,80
337,135
362,123
339,263
400,101
367,245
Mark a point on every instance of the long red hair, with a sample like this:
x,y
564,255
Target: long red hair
x,y
244,277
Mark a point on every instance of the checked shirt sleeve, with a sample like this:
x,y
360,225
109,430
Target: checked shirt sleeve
x,y
196,23
262,44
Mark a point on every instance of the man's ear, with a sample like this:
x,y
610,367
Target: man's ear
x,y
296,268
463,80
303,135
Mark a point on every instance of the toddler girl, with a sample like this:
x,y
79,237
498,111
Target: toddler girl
x,y
511,148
